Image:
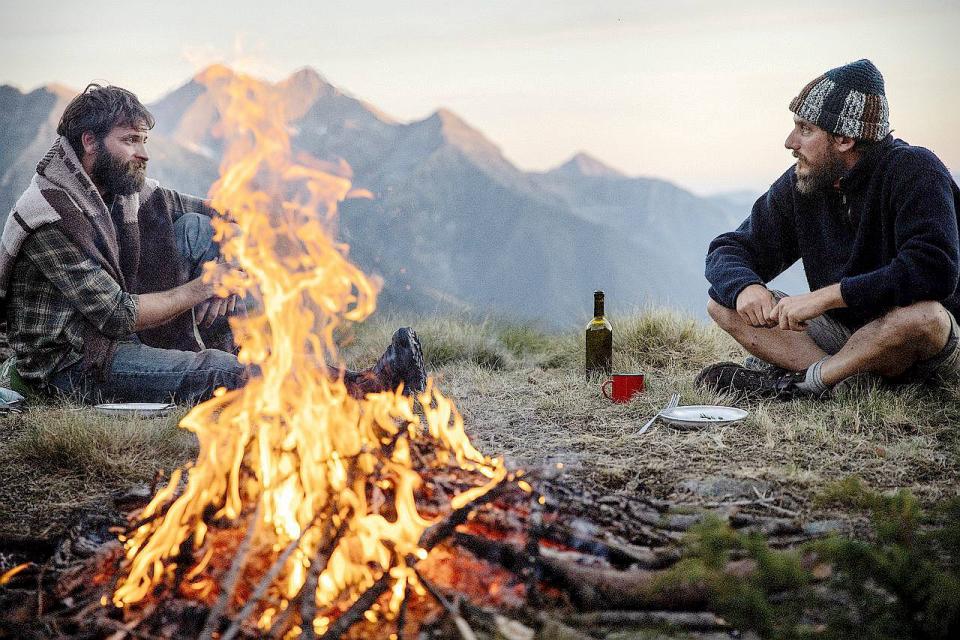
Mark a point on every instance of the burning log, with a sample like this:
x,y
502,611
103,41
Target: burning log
x,y
430,538
352,615
262,586
452,609
610,583
308,605
443,530
229,583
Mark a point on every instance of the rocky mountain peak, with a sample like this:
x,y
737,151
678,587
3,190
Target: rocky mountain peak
x,y
456,131
583,164
215,71
307,83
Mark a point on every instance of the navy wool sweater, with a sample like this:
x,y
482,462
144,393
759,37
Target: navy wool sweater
x,y
888,235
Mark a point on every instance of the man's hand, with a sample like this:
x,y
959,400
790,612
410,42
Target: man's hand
x,y
216,276
755,304
209,310
793,312
157,308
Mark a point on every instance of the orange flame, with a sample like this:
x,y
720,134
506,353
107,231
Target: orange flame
x,y
293,442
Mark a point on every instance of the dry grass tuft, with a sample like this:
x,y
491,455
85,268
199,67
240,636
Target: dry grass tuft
x,y
660,338
58,461
117,449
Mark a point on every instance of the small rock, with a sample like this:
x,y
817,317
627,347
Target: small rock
x,y
823,527
724,487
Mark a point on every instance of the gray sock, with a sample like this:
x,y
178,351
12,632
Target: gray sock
x,y
813,383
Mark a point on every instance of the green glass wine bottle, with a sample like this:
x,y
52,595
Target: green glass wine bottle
x,y
599,340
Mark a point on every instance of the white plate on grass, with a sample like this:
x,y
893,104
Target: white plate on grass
x,y
135,409
700,415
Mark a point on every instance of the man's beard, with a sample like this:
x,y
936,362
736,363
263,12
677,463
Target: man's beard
x,y
819,176
115,176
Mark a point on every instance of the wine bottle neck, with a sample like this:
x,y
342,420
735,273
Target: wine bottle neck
x,y
598,306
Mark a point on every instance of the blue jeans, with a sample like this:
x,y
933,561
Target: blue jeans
x,y
147,374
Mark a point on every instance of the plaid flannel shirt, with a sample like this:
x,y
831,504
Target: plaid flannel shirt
x,y
55,286
53,289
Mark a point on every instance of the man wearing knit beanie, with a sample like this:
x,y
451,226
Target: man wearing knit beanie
x,y
875,222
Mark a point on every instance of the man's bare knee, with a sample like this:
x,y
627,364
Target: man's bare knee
x,y
924,326
720,314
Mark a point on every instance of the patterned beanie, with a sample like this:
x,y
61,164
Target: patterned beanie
x,y
847,101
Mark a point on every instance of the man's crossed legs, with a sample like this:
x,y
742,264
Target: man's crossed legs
x,y
909,344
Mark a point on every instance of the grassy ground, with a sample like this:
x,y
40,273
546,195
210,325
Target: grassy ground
x,y
522,393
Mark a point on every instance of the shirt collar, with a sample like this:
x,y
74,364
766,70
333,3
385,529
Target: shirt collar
x,y
866,163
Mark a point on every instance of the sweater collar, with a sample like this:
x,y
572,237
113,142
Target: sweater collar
x,y
864,167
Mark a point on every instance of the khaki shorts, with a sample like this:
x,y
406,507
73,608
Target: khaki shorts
x,y
830,335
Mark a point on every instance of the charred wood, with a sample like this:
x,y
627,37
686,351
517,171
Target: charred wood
x,y
229,583
452,608
308,592
352,615
263,585
441,531
600,587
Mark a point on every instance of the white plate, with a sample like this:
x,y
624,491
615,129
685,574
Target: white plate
x,y
699,415
135,409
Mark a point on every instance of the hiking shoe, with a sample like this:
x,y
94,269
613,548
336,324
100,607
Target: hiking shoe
x,y
402,362
729,377
759,364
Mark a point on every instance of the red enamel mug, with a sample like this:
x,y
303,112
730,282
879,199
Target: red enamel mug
x,y
625,385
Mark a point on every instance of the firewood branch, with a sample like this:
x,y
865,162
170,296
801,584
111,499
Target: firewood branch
x,y
356,610
230,581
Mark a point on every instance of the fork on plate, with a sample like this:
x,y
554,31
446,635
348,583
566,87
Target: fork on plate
x,y
674,401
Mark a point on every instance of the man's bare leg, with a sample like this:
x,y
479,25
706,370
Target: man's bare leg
x,y
791,350
891,344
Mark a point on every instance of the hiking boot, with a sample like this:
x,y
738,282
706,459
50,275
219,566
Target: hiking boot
x,y
759,364
402,362
729,377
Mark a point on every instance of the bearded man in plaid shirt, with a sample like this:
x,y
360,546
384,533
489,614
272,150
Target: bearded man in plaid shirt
x,y
100,274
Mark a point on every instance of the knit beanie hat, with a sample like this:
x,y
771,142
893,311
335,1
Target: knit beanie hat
x,y
847,101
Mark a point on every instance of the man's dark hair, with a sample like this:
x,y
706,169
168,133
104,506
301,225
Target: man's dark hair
x,y
99,109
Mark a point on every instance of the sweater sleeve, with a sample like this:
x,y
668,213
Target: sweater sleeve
x,y
927,262
759,250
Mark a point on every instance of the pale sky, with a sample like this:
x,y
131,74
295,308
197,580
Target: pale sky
x,y
693,92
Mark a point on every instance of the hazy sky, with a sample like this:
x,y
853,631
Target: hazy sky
x,y
694,92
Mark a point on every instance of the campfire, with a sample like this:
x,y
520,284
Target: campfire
x,y
324,484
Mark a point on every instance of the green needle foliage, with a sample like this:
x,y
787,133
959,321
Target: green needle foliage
x,y
901,581
905,583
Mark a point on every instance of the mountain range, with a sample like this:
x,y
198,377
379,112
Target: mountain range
x,y
453,224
